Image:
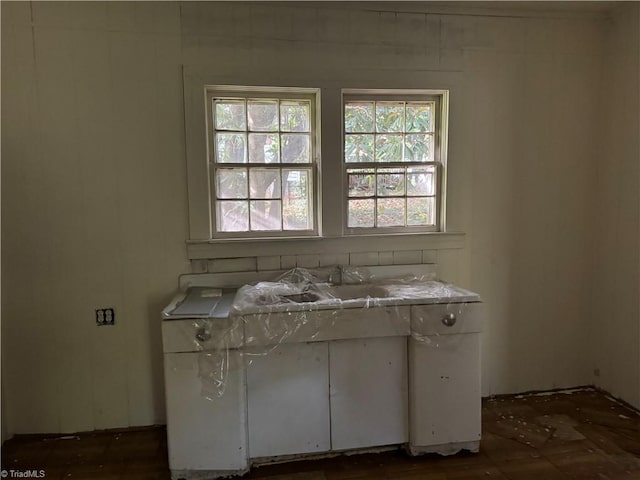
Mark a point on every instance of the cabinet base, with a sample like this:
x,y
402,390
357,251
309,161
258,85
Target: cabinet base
x,y
444,449
205,474
256,462
413,450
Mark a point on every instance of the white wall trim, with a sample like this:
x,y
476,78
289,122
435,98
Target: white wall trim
x,y
325,245
330,84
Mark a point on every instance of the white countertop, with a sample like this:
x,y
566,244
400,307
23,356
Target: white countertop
x,y
426,293
374,287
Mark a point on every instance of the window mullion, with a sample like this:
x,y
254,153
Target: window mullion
x,y
249,214
404,130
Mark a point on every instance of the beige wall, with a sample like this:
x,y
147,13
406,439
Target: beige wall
x,y
616,281
94,210
94,206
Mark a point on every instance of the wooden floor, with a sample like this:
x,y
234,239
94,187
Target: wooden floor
x,y
579,435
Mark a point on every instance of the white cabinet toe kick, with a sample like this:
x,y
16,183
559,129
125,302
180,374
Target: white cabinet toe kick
x,y
363,387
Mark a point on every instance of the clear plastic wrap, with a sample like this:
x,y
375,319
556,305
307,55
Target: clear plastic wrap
x,y
306,305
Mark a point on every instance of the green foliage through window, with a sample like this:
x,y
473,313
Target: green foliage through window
x,y
265,137
382,132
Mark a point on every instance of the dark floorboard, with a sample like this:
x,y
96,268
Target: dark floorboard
x,y
580,435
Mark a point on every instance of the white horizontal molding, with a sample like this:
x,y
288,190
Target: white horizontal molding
x,y
323,245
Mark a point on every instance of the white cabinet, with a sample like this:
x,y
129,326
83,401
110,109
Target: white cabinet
x,y
288,400
444,379
316,397
357,385
368,392
324,325
205,434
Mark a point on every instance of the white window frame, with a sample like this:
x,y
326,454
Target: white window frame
x,y
312,95
441,100
331,238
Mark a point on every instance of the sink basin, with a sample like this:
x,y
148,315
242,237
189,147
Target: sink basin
x,y
326,292
304,297
308,295
352,292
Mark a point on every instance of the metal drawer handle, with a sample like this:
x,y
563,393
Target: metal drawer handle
x,y
202,335
449,319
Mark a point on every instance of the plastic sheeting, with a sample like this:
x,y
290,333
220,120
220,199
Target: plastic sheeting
x,y
307,305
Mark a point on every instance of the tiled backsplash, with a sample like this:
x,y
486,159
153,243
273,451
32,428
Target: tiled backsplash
x,y
445,259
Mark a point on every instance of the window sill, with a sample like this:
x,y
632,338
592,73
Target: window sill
x,y
233,248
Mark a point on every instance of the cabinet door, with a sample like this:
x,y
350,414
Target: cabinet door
x,y
368,392
444,380
203,433
288,400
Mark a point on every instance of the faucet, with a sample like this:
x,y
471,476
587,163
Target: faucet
x,y
336,276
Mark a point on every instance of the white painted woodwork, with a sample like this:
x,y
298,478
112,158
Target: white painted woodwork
x,y
407,257
270,262
288,400
246,264
205,433
180,335
444,386
364,258
428,319
358,246
240,278
327,325
368,388
344,380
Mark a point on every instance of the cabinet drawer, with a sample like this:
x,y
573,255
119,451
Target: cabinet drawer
x,y
182,335
446,319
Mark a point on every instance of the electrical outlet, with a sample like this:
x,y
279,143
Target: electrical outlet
x,y
105,316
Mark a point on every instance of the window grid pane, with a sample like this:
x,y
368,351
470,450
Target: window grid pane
x,y
296,202
264,184
263,115
232,216
416,185
258,132
265,215
295,116
404,132
231,183
295,147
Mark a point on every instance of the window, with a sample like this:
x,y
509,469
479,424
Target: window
x,y
262,161
392,162
310,198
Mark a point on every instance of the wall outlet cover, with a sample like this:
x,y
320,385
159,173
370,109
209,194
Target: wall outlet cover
x,y
105,316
